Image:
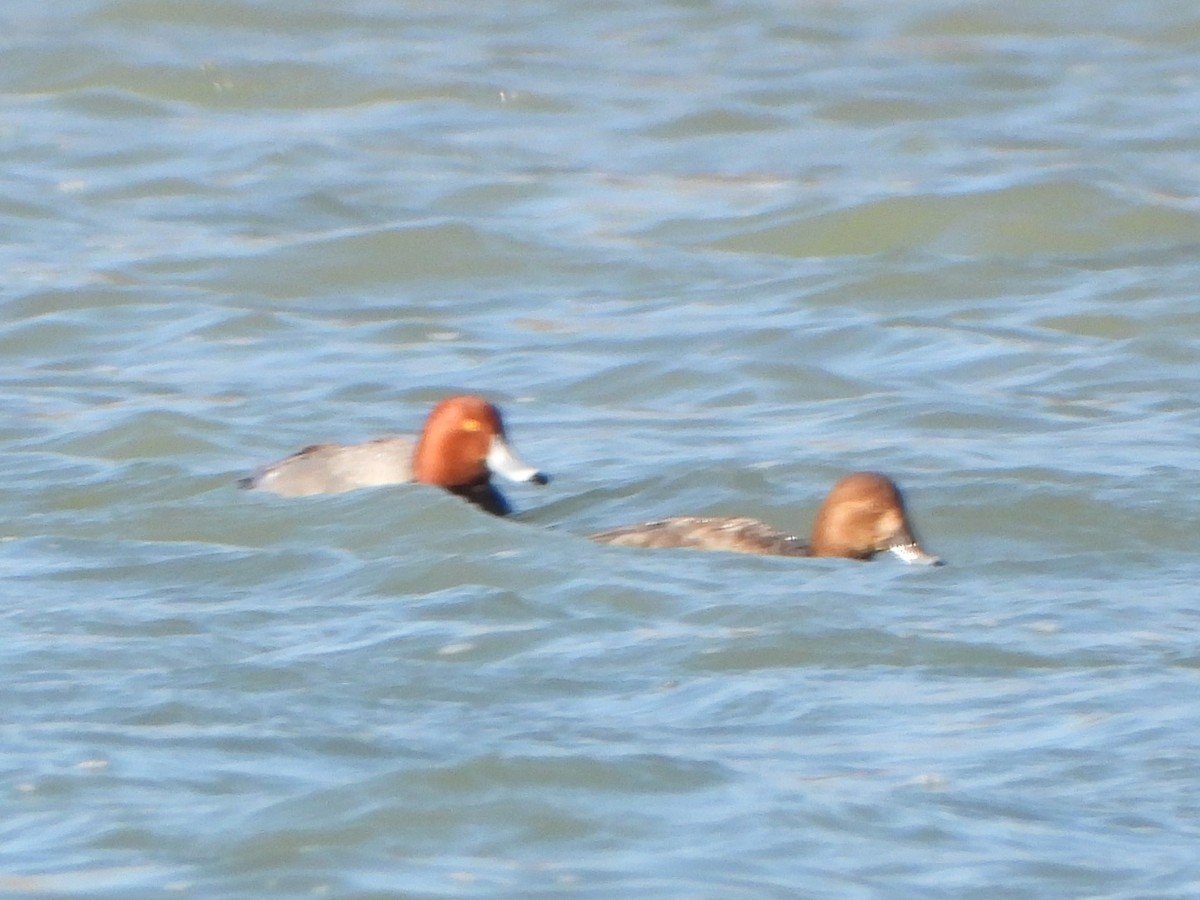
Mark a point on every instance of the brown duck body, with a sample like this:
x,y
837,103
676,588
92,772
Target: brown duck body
x,y
735,534
864,514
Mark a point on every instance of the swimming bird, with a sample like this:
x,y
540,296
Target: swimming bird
x,y
862,515
462,444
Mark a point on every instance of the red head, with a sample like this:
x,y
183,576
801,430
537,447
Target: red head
x,y
864,515
462,444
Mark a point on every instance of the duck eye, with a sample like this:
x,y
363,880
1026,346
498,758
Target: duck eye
x,y
471,425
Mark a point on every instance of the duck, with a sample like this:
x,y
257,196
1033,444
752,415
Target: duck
x,y
462,444
863,515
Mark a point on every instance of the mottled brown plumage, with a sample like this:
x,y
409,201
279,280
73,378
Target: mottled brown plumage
x,y
862,515
737,535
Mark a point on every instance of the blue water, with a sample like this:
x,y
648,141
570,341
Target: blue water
x,y
707,257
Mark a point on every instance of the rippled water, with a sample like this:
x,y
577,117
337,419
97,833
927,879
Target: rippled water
x,y
708,256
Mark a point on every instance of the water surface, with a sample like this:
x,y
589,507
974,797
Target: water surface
x,y
708,257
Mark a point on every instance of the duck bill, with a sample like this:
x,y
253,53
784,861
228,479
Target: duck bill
x,y
914,554
502,461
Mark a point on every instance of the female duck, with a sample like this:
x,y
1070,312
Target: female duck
x,y
462,444
863,515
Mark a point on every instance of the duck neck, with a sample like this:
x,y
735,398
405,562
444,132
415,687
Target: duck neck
x,y
484,495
